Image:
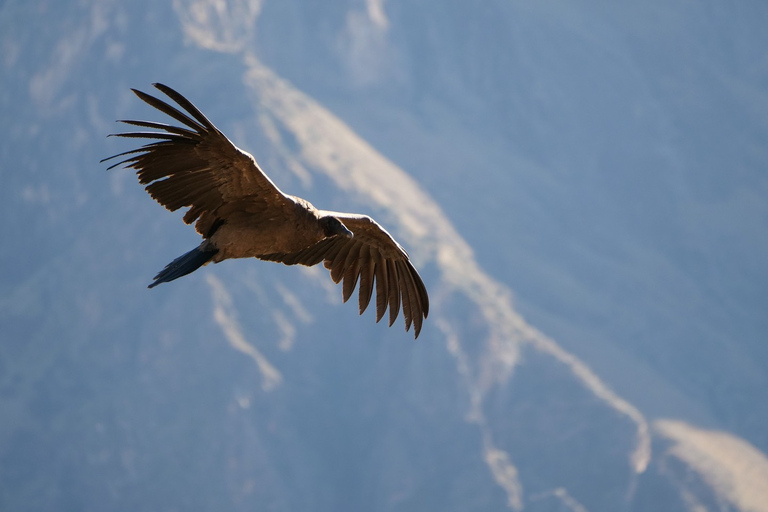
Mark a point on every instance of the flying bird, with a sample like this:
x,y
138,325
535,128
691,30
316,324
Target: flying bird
x,y
240,213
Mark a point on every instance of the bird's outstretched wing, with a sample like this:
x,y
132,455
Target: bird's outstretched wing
x,y
195,165
370,256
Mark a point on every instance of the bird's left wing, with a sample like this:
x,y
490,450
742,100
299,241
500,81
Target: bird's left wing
x,y
375,260
195,165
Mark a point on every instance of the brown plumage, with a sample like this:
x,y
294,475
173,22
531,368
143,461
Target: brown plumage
x,y
240,213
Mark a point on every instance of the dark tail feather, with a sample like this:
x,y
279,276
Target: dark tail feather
x,y
184,264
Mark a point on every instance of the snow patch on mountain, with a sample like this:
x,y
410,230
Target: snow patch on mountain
x,y
735,469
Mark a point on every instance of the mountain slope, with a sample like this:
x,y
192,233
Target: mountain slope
x,y
249,384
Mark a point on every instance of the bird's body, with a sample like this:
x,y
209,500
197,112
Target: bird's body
x,y
240,213
253,230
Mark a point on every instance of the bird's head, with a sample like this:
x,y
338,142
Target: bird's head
x,y
334,227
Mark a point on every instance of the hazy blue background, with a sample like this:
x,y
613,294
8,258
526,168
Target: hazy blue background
x,y
582,184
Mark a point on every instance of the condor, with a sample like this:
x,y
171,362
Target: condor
x,y
240,213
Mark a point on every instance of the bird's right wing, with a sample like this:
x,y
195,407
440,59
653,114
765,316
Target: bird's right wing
x,y
194,166
377,261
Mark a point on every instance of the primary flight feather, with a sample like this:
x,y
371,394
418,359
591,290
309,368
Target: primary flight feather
x,y
240,213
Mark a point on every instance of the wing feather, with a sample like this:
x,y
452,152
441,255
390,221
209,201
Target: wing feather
x,y
163,126
155,135
406,296
367,273
351,269
316,253
420,288
167,109
413,296
394,291
186,105
336,265
382,286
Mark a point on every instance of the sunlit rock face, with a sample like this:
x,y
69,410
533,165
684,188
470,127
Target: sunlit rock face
x,y
582,189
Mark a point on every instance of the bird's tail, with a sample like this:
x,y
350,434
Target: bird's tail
x,y
185,264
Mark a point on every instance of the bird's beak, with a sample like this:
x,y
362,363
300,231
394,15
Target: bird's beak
x,y
343,231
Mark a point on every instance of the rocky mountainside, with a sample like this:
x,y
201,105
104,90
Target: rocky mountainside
x,y
604,164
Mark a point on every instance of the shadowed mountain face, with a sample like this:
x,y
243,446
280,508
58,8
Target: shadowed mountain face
x,y
603,163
